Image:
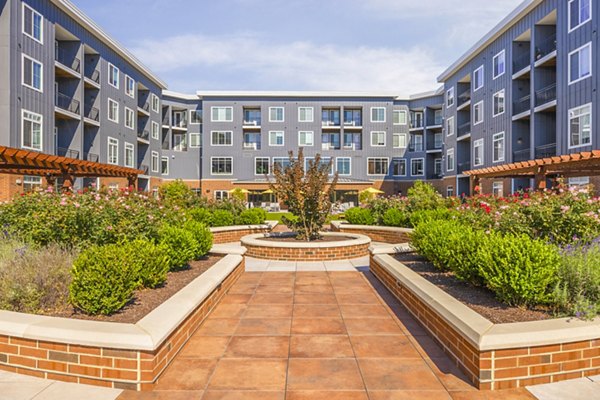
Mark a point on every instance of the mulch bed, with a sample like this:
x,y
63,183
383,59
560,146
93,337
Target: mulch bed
x,y
479,299
144,301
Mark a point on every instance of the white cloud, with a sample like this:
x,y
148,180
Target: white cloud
x,y
298,65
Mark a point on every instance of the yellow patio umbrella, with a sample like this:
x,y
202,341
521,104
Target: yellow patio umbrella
x,y
372,190
268,191
244,191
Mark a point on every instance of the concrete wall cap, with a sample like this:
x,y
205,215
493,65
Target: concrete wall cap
x,y
401,248
253,240
344,225
267,225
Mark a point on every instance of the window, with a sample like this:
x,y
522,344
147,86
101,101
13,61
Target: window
x,y
580,63
164,165
450,160
129,119
498,189
450,126
400,140
31,128
195,116
580,126
378,114
499,147
261,166
113,151
417,143
32,23
325,162
32,73
416,118
31,183
155,102
377,139
579,181
344,165
113,111
113,75
154,130
450,97
306,114
499,102
129,155
478,78
450,191
154,161
195,140
129,86
580,12
221,195
306,138
276,138
399,167
222,114
180,142
417,167
478,152
400,117
221,165
499,64
377,166
478,113
281,162
438,141
276,114
221,138
437,167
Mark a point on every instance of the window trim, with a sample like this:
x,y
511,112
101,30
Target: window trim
x,y
482,69
282,114
41,122
405,117
448,121
152,98
405,140
379,158
221,174
448,152
111,65
503,91
384,139
476,144
33,11
152,154
590,105
305,145
192,112
501,53
384,115
450,188
116,142
132,127
191,146
116,121
282,136
152,125
405,167
591,64
581,23
480,103
212,110
312,110
448,97
131,147
127,80
212,143
411,165
268,165
503,134
501,188
163,158
33,60
338,170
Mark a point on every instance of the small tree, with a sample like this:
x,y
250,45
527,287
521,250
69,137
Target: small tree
x,y
307,194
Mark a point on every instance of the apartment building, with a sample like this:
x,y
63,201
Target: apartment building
x,y
527,90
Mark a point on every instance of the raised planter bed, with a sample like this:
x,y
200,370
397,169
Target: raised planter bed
x,y
355,246
111,354
494,356
229,234
383,234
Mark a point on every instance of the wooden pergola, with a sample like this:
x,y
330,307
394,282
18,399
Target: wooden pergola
x,y
15,161
568,166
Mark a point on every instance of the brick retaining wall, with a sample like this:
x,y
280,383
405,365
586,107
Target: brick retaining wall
x,y
307,254
231,236
383,235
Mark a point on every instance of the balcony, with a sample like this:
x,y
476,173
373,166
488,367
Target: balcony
x,y
69,65
252,141
92,113
144,108
64,152
252,118
522,105
545,151
331,118
464,167
67,103
352,119
94,76
521,62
546,48
545,95
415,148
522,155
179,121
144,135
464,129
145,168
91,157
464,98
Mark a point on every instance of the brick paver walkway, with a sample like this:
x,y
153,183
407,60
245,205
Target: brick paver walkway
x,y
312,335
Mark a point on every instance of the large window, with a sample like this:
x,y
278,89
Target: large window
x,y
498,189
164,165
437,167
499,64
344,165
478,152
400,140
113,75
276,138
154,161
261,166
33,23
499,147
499,102
129,155
154,130
221,138
276,114
113,151
306,114
31,183
377,166
377,139
580,126
580,12
113,111
155,102
580,63
378,114
450,126
31,126
450,97
417,167
450,160
195,116
222,114
221,165
195,139
417,143
306,138
399,167
32,73
478,78
129,86
478,113
129,118
400,117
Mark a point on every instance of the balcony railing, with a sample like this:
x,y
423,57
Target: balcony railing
x,y
415,148
94,76
464,129
182,123
464,97
71,62
145,106
252,122
464,166
144,134
521,155
545,47
92,113
64,152
356,121
545,95
545,151
91,157
67,103
331,122
521,62
145,169
521,105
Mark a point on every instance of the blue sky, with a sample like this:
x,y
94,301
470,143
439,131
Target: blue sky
x,y
397,46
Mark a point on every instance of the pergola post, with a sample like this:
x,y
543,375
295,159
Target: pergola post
x,y
540,179
475,184
68,181
132,182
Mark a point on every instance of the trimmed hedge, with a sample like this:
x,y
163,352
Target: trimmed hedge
x,y
359,216
179,245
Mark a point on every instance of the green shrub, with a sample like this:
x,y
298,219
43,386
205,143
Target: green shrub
x,y
252,216
359,216
150,261
203,237
103,279
201,215
179,245
176,193
521,271
423,196
222,218
395,217
426,216
433,241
